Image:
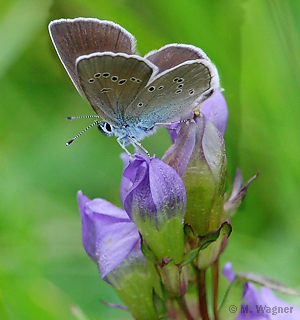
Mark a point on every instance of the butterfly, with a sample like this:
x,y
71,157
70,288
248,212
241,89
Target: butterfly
x,y
132,95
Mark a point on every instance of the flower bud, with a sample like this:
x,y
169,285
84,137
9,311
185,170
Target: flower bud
x,y
156,202
198,155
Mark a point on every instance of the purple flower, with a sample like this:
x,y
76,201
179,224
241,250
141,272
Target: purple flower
x,y
154,197
198,155
109,236
263,304
112,240
157,192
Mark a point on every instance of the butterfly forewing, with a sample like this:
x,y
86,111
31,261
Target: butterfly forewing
x,y
111,81
73,38
173,93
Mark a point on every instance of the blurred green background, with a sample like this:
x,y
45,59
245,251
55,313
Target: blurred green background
x,y
256,46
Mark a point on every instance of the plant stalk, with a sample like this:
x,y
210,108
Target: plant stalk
x,y
202,294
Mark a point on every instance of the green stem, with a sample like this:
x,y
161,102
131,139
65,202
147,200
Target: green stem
x,y
202,294
215,280
184,307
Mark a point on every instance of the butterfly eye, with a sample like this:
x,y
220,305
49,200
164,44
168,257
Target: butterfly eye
x,y
106,128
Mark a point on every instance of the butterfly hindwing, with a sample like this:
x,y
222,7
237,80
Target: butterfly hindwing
x,y
173,92
171,55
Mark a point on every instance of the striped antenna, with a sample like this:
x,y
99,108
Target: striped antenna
x,y
82,117
83,131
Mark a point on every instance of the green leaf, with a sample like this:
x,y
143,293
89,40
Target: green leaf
x,y
205,241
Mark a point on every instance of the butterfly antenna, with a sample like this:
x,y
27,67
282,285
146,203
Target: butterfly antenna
x,y
83,131
82,117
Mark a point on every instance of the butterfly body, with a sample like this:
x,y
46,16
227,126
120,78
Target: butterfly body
x,y
125,133
131,94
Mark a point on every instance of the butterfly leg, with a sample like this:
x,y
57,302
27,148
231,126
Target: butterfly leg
x,y
135,143
120,141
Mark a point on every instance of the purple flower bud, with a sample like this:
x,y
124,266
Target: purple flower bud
x,y
198,155
157,192
156,202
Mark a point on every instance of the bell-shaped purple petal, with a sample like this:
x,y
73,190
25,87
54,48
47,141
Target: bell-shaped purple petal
x,y
157,192
156,203
180,152
125,182
108,234
228,271
215,109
